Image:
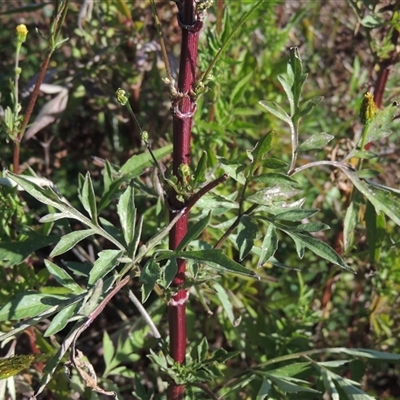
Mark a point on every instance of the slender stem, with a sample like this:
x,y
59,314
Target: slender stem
x,y
56,28
145,315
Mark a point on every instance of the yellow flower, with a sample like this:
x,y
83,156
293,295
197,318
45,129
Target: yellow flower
x,y
21,31
368,108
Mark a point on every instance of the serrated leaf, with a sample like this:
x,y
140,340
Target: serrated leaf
x,y
60,321
47,195
269,245
106,262
247,232
88,198
149,276
30,305
62,277
275,109
316,141
213,258
194,231
70,240
127,214
321,249
295,215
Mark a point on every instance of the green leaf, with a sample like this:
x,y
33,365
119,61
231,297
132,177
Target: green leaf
x,y
321,249
238,91
247,232
111,193
233,169
61,320
226,303
291,369
350,222
316,141
26,305
378,128
262,147
269,245
202,350
274,178
367,173
264,390
295,215
14,253
108,352
199,173
329,384
88,198
127,214
70,240
382,200
376,232
107,261
47,195
194,231
272,195
275,109
138,163
274,163
308,106
213,258
151,273
287,87
62,277
295,69
287,385
170,270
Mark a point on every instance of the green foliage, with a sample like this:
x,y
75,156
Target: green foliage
x,y
246,238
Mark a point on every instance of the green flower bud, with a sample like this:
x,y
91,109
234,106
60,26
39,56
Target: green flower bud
x,y
122,97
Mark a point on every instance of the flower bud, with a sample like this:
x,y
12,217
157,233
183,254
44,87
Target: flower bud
x,y
21,32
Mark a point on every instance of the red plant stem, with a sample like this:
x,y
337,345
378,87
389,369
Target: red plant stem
x,y
183,108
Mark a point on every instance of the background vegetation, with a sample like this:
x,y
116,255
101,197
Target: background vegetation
x,y
298,305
